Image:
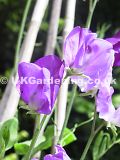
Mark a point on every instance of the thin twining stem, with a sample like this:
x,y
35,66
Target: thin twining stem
x,y
20,36
92,135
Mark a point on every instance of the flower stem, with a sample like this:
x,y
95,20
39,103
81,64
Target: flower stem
x,y
90,138
69,108
92,6
35,136
27,7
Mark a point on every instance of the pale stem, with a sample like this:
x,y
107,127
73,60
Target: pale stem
x,y
62,98
11,96
53,27
68,111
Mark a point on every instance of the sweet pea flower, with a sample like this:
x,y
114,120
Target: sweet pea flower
x,y
89,56
59,155
105,106
37,82
115,41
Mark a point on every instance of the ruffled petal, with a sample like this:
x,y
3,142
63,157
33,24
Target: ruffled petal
x,y
115,41
56,68
105,106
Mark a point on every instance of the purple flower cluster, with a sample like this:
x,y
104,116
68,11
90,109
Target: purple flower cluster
x,y
94,58
89,58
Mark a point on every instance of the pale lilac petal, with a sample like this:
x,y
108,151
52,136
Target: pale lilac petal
x,y
105,107
116,117
104,103
73,43
91,56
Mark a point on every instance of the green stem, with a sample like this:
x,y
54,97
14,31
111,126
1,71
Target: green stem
x,y
90,138
35,137
25,14
69,108
92,6
82,124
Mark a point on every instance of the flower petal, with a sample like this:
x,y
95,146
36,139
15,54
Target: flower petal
x,y
56,68
105,107
59,155
91,56
73,43
37,96
115,41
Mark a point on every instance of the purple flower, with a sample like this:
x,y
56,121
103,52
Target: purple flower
x,y
59,155
88,55
105,107
39,82
115,41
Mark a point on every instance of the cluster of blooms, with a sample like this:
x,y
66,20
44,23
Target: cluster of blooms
x,y
89,58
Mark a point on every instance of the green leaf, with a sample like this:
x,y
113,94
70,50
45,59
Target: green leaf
x,y
97,145
11,156
44,26
61,25
9,131
104,142
22,148
49,133
22,135
116,100
68,137
103,146
2,147
108,139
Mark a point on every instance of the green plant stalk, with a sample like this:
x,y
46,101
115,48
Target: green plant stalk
x,y
82,124
19,40
35,136
69,108
90,138
92,135
36,149
92,5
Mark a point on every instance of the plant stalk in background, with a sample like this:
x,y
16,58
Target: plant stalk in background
x,y
62,98
25,55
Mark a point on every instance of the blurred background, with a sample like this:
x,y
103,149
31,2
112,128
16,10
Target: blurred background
x,y
107,13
